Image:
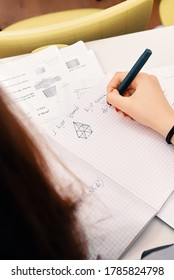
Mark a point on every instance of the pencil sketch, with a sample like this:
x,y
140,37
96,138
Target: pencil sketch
x,y
82,130
101,101
104,107
80,92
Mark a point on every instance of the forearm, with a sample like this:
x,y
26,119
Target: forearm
x,y
172,140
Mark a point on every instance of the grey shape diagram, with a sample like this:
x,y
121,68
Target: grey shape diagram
x,y
72,63
47,82
51,91
82,130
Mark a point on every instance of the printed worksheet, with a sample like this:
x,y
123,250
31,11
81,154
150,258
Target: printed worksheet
x,y
81,62
35,82
40,81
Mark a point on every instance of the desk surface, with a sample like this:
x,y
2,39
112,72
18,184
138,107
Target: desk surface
x,y
120,53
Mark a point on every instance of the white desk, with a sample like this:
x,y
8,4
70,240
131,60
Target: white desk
x,y
120,53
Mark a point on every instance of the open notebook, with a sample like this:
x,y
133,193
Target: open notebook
x,y
133,156
133,163
167,74
111,216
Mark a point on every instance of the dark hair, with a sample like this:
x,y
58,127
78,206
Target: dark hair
x,y
37,222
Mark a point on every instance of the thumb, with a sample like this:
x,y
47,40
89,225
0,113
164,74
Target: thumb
x,y
117,100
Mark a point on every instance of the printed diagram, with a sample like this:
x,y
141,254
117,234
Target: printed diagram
x,y
40,70
48,86
72,63
82,130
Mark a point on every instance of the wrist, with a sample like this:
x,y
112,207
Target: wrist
x,y
169,137
164,124
172,139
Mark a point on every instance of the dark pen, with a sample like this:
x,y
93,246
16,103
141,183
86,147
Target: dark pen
x,y
134,71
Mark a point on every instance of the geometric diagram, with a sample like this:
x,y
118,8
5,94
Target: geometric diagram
x,y
51,91
72,63
47,82
40,70
82,130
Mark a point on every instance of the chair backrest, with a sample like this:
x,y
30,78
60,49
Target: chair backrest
x,y
126,17
166,11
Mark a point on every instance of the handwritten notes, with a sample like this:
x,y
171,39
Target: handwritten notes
x,y
120,148
108,212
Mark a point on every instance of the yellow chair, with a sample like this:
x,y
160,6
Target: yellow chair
x,y
67,27
43,47
166,11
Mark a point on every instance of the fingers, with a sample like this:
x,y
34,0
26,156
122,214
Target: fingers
x,y
116,81
118,101
119,77
143,100
131,100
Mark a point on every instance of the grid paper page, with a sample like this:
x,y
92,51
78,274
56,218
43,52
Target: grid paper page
x,y
111,216
134,156
165,76
166,212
